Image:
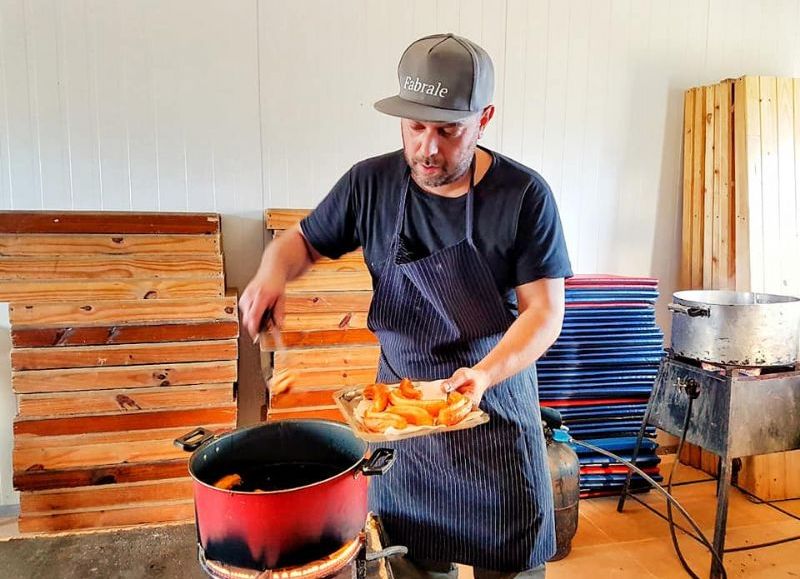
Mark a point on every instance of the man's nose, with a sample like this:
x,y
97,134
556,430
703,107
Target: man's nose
x,y
430,144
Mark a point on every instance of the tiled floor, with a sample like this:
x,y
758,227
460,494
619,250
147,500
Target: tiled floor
x,y
636,543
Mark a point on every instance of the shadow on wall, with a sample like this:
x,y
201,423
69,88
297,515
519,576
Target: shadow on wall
x,y
243,240
8,408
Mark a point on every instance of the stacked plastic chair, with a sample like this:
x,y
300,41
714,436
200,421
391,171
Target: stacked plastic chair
x,y
600,371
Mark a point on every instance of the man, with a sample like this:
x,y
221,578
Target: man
x,y
468,261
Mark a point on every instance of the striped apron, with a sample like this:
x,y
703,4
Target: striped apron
x,y
480,496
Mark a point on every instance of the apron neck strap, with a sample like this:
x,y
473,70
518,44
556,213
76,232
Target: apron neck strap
x,y
398,225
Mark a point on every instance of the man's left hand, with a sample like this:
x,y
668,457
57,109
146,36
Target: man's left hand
x,y
470,382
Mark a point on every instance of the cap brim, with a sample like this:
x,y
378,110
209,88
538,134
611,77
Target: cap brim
x,y
399,107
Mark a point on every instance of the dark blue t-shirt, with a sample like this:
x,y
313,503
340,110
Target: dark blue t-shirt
x,y
516,224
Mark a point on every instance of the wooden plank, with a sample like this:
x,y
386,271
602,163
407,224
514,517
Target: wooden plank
x,y
333,377
332,281
341,357
108,222
716,196
327,302
105,496
698,182
124,312
298,399
123,355
52,453
708,189
72,380
110,289
284,218
770,185
108,335
110,267
124,419
34,480
33,442
785,258
353,261
320,412
74,244
308,339
324,321
686,221
727,262
156,512
128,400
741,236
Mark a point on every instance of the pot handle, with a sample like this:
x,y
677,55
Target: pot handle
x,y
380,461
195,439
691,311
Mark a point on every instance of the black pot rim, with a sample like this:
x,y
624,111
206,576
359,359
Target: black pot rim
x,y
296,421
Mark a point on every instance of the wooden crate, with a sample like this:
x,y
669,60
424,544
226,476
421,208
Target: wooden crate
x,y
123,338
325,340
741,199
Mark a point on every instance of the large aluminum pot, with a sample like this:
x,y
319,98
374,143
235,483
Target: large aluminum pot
x,y
303,495
735,328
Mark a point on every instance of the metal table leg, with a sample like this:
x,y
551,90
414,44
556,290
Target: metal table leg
x,y
721,521
626,487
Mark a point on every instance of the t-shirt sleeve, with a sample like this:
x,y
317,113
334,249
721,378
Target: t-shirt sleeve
x,y
331,227
539,246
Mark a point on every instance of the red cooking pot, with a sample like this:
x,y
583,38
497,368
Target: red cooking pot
x,y
302,497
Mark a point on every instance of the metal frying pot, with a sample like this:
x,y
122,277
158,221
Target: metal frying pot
x,y
735,328
303,495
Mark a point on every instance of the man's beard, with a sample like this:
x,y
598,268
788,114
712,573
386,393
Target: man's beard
x,y
447,175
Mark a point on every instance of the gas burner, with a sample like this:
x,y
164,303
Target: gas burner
x,y
362,558
730,369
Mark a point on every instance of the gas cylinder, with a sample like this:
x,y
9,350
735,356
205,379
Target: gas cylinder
x,y
565,476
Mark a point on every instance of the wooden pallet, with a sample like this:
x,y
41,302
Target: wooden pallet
x,y
123,338
325,340
741,199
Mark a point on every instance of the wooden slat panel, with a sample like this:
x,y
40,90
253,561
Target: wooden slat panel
x,y
323,412
686,237
769,184
163,512
106,496
716,196
353,261
333,377
332,281
34,480
64,452
131,400
784,256
109,335
309,339
110,289
333,321
74,244
123,355
110,267
298,399
107,222
698,183
327,357
93,312
708,188
284,218
72,380
32,442
188,418
727,274
328,302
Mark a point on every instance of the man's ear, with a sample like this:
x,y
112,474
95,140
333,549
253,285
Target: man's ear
x,y
486,116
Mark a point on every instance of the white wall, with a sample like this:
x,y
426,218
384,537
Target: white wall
x,y
238,106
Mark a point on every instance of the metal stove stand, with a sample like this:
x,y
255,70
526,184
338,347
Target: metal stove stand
x,y
733,415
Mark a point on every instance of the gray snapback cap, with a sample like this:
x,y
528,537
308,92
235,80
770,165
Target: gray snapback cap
x,y
443,78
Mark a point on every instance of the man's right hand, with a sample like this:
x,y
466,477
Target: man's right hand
x,y
264,294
